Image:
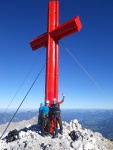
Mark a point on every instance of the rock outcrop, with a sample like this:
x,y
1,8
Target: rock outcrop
x,y
30,139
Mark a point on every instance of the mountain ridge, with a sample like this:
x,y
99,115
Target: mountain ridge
x,y
31,138
97,120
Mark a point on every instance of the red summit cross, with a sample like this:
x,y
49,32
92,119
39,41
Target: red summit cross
x,y
50,39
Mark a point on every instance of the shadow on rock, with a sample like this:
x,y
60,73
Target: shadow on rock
x,y
14,134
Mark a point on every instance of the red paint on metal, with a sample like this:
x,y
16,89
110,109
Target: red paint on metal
x,y
50,39
72,26
39,41
50,57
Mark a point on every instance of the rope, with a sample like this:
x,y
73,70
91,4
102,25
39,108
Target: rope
x,y
24,98
83,69
4,113
22,101
16,92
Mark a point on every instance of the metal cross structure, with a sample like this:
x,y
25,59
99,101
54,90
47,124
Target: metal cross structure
x,y
50,39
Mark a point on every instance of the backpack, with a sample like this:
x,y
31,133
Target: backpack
x,y
55,107
12,135
55,111
75,135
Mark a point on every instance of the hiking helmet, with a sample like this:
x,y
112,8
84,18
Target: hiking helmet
x,y
54,99
47,101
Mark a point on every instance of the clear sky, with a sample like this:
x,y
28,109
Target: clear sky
x,y
85,76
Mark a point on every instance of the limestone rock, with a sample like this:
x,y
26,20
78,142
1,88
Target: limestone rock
x,y
29,138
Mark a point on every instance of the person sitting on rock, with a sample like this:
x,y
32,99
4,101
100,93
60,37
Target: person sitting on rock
x,y
56,115
45,122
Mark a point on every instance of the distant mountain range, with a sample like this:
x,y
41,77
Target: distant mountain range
x,y
25,115
98,120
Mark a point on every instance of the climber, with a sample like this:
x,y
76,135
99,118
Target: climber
x,y
56,115
45,122
39,115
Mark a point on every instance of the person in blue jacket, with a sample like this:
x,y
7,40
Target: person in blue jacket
x,y
45,118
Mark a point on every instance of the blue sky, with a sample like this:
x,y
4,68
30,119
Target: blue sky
x,y
92,47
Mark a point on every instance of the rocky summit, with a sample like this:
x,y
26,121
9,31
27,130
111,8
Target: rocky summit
x,y
29,138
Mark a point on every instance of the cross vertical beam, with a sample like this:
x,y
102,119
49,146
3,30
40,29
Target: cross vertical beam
x,y
51,89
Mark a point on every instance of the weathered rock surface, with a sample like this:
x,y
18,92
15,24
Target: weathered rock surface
x,y
32,140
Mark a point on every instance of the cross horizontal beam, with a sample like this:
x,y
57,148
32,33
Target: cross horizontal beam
x,y
63,30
